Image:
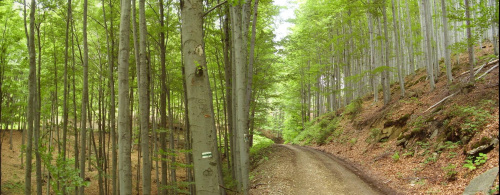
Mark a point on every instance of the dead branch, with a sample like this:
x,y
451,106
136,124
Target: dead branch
x,y
491,62
480,67
488,71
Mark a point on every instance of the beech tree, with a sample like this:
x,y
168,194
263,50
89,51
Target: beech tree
x,y
124,134
200,105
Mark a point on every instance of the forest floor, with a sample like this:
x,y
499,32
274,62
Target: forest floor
x,y
13,172
408,147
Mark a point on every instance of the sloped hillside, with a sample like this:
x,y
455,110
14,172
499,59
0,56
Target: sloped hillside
x,y
420,143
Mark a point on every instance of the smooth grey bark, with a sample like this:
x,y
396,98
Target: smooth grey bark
x,y
236,58
31,99
200,115
397,50
85,96
426,15
447,55
251,60
410,37
494,26
239,30
124,135
371,61
385,78
144,101
470,43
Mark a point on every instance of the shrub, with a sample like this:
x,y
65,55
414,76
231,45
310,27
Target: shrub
x,y
479,160
395,157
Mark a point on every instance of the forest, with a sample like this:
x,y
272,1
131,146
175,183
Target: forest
x,y
185,96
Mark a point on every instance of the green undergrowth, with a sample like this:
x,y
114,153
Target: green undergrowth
x,y
320,131
259,144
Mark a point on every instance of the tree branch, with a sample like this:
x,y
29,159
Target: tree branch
x,y
211,9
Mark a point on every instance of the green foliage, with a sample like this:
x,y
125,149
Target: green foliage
x,y
417,124
432,159
63,172
260,143
471,118
450,171
395,157
354,108
452,155
319,132
447,145
472,163
13,187
410,153
353,141
494,190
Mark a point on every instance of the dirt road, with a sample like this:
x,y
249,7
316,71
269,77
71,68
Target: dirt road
x,y
291,169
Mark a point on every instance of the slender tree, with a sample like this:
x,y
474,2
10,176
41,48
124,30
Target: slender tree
x,y
397,50
85,97
124,134
447,57
144,102
31,98
385,78
470,42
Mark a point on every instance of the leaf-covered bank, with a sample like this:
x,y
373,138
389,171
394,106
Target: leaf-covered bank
x,y
411,147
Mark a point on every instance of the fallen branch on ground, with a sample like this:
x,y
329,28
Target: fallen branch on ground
x,y
480,67
489,70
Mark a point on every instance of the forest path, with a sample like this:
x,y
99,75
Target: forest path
x,y
292,169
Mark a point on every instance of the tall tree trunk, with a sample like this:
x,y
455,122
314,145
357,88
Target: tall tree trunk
x,y
371,61
144,102
446,42
494,26
397,50
37,117
385,78
410,37
229,90
470,42
85,95
430,70
251,60
66,85
124,140
201,115
111,84
31,99
163,100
